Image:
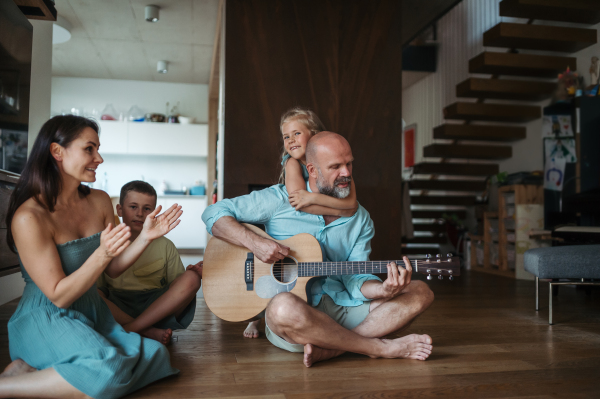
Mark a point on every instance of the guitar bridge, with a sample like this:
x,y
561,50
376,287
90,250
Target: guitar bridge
x,y
249,272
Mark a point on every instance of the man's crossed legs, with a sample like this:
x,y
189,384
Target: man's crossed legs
x,y
292,319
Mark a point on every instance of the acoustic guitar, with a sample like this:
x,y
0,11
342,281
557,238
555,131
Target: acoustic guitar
x,y
237,286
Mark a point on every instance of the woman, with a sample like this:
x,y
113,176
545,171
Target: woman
x,y
63,340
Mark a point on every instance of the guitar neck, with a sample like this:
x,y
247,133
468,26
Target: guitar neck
x,y
312,269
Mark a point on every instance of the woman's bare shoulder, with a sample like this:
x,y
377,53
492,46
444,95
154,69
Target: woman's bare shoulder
x,y
29,214
99,198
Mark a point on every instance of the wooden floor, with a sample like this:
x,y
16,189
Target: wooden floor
x,y
488,343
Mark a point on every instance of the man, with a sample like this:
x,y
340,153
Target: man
x,y
347,313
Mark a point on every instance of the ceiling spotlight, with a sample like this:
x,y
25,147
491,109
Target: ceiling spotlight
x,y
152,13
161,67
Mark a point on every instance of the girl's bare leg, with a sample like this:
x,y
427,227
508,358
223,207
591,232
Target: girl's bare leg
x,y
36,384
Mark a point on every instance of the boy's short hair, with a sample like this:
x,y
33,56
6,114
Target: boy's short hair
x,y
139,187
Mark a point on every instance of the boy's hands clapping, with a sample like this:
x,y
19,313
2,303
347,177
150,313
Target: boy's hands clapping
x,y
158,226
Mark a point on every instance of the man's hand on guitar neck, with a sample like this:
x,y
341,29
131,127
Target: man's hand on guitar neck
x,y
398,278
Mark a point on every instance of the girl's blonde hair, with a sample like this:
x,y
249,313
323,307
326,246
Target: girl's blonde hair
x,y
305,116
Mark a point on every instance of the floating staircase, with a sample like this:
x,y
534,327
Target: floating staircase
x,y
448,186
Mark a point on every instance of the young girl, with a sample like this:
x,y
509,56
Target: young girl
x,y
297,126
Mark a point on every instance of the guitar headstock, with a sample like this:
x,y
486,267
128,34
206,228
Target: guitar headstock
x,y
439,266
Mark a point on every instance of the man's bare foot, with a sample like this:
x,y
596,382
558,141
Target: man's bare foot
x,y
157,334
413,346
252,330
17,367
314,354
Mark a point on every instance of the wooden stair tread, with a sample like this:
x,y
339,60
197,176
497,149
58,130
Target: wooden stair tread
x,y
455,169
447,185
504,89
467,151
541,66
420,251
577,11
539,37
492,112
426,240
479,132
433,227
459,200
426,214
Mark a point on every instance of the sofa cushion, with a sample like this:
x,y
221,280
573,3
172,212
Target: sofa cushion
x,y
576,261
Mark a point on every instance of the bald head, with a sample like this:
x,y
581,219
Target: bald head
x,y
325,142
329,163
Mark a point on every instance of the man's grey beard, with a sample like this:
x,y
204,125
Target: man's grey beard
x,y
333,191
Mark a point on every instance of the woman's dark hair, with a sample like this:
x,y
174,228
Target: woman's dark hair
x,y
41,179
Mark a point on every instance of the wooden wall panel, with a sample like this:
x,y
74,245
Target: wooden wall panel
x,y
342,58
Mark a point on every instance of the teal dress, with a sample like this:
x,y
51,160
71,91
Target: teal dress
x,y
83,343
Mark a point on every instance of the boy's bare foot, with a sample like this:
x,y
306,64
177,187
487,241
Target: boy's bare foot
x,y
157,334
413,346
314,354
252,330
17,367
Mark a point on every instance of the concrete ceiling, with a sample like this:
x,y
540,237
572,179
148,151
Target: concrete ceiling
x,y
112,40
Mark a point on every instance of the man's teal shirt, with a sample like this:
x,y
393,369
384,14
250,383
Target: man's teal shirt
x,y
345,239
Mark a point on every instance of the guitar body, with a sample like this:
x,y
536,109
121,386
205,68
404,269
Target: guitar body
x,y
224,286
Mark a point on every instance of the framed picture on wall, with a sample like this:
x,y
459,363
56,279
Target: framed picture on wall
x,y
408,146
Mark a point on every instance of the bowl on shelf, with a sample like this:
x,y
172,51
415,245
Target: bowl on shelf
x,y
186,120
197,190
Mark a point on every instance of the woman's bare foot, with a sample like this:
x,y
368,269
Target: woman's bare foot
x,y
314,354
157,334
413,346
17,367
252,330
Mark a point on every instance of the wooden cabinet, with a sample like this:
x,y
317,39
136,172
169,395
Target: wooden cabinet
x,y
153,139
506,232
520,210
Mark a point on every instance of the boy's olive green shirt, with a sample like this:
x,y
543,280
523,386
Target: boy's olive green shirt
x,y
158,266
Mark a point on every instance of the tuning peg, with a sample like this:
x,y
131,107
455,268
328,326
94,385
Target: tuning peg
x,y
429,277
440,277
427,257
448,255
451,278
439,257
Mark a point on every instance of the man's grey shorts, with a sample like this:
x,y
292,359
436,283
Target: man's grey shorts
x,y
346,316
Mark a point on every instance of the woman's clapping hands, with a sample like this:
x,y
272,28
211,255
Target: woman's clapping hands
x,y
113,241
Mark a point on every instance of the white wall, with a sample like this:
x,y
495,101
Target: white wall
x,y
175,171
89,94
93,94
460,37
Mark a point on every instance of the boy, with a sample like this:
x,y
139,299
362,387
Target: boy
x,y
156,294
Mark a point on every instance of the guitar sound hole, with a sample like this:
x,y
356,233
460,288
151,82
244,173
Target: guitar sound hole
x,y
285,271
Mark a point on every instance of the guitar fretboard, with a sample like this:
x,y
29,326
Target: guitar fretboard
x,y
310,269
